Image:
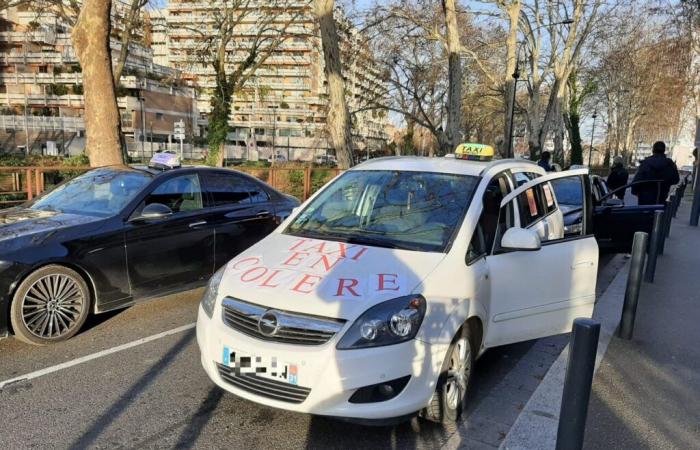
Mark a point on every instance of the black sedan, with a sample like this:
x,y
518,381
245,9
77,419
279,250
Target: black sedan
x,y
113,236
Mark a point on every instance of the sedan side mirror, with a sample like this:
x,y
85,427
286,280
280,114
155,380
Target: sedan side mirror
x,y
614,202
152,212
520,239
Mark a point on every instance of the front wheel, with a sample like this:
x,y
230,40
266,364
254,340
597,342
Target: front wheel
x,y
50,305
452,389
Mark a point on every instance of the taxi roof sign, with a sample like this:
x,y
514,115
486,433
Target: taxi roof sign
x,y
164,160
475,152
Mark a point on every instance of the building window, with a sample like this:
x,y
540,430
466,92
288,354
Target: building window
x,y
159,116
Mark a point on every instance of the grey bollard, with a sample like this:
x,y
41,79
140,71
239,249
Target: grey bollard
x,y
634,283
577,384
654,242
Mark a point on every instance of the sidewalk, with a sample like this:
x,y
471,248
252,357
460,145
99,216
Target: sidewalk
x,y
646,392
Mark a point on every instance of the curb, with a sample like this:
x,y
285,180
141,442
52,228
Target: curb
x,y
536,426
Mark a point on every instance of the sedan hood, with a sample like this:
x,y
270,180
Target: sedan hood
x,y
324,278
24,222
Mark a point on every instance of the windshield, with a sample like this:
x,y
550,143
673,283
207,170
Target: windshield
x,y
100,192
407,210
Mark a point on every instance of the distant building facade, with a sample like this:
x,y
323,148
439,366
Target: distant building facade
x,y
41,90
283,108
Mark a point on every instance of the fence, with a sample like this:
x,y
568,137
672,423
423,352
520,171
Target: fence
x,y
20,184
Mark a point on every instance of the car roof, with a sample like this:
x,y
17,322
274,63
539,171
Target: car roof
x,y
157,171
444,165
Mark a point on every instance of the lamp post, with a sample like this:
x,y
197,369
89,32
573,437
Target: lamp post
x,y
590,150
516,76
142,101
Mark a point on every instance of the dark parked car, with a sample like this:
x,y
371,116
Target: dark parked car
x,y
614,222
113,236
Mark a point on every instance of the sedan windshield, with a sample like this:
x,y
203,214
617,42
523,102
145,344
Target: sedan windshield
x,y
100,192
406,210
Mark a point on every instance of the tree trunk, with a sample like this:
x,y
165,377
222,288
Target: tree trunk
x,y
91,42
339,129
575,136
510,82
454,95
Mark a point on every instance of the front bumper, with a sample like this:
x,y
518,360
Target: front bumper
x,y
332,376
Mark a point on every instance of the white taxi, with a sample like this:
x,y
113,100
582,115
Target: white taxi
x,y
374,298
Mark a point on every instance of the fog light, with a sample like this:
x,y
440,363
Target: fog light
x,y
380,392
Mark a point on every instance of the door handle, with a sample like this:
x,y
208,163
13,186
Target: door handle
x,y
198,224
581,264
263,213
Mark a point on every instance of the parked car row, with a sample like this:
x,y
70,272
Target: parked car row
x,y
371,301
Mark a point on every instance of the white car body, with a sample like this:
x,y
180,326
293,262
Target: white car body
x,y
507,297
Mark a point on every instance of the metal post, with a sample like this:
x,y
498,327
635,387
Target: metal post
x,y
695,211
654,242
142,100
577,384
669,216
590,150
634,283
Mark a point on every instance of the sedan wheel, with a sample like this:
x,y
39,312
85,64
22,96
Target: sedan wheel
x,y
50,305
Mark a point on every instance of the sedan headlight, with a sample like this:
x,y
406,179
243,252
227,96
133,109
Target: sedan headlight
x,y
212,292
387,323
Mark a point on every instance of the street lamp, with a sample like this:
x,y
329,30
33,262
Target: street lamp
x,y
516,76
590,150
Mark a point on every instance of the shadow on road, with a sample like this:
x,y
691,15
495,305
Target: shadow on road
x,y
107,417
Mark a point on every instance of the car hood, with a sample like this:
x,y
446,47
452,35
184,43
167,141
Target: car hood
x,y
323,278
24,222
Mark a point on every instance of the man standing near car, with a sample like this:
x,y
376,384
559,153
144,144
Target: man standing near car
x,y
618,178
659,168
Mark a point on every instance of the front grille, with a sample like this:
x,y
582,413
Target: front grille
x,y
291,328
264,387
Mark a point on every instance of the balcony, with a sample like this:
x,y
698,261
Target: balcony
x,y
42,100
69,124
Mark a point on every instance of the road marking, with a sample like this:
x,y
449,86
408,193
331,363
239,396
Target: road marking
x,y
103,353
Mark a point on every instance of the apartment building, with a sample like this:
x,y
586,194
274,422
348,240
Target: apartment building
x,y
283,108
41,92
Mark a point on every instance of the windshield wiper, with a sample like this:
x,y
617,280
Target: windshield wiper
x,y
379,242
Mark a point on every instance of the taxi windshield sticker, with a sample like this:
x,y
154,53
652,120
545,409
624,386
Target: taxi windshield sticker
x,y
531,202
548,196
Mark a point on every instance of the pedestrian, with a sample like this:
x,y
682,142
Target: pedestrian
x,y
544,161
618,178
659,173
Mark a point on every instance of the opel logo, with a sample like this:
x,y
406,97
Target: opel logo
x,y
269,324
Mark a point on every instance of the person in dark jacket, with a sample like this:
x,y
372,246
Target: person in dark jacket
x,y
544,161
657,167
618,177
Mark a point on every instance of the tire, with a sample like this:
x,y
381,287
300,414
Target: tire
x,y
50,305
452,390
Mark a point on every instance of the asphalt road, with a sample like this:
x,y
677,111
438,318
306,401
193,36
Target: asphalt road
x,y
156,395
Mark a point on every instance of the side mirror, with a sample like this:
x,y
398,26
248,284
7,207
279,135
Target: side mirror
x,y
614,202
152,212
520,239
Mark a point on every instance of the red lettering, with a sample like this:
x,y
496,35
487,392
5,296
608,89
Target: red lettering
x,y
318,248
308,280
297,245
245,277
383,280
347,284
295,258
254,259
326,262
269,279
358,254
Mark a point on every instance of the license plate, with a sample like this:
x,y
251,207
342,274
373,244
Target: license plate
x,y
266,367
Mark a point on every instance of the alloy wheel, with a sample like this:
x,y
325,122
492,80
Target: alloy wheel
x,y
455,387
53,306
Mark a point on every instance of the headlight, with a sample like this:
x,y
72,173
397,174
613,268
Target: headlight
x,y
387,323
212,292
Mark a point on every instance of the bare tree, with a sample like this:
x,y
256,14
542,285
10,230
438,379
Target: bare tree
x,y
339,126
91,42
239,38
453,134
128,24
